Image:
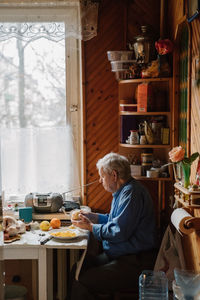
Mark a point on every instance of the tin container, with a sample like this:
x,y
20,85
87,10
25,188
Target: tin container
x,y
146,158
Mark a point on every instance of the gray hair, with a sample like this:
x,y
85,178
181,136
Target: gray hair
x,y
113,161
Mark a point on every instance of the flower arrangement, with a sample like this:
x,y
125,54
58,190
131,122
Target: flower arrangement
x,y
177,155
164,47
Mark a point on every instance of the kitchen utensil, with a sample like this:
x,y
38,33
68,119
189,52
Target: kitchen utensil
x,y
45,240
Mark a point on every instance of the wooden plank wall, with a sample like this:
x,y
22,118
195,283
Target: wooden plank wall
x,y
176,10
119,22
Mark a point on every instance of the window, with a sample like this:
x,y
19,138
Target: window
x,y
40,100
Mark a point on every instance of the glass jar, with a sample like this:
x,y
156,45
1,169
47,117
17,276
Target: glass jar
x,y
134,137
153,285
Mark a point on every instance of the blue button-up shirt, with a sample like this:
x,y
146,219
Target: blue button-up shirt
x,y
130,226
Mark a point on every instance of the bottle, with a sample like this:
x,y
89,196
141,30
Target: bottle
x,y
143,140
153,285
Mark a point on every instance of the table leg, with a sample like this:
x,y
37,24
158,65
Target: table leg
x,y
50,274
34,279
42,274
62,273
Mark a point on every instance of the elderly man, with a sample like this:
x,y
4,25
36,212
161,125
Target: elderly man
x,y
127,234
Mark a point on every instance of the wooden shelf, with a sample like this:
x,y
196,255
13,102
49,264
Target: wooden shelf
x,y
134,113
185,203
153,179
144,146
186,197
144,80
186,191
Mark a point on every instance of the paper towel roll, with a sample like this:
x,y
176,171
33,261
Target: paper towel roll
x,y
178,218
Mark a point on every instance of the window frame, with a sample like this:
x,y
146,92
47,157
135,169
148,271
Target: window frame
x,y
74,95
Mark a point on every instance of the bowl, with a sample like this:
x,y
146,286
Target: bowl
x,y
152,173
119,55
122,65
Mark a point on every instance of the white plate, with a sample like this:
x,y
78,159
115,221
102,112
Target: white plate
x,y
65,237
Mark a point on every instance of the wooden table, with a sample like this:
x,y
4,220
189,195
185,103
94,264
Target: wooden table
x,y
28,247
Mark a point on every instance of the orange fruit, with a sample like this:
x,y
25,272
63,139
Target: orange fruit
x,y
55,223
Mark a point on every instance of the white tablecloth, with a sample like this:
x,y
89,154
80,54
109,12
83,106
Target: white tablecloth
x,y
29,247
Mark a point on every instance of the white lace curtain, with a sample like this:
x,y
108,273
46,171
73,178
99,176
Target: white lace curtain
x,y
84,29
38,160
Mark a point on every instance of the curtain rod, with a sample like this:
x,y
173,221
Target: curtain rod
x,y
40,4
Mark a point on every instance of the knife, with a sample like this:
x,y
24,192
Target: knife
x,y
45,240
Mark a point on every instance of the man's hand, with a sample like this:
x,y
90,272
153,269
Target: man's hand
x,y
83,223
93,217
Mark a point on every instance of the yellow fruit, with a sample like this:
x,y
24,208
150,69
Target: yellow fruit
x,y
44,225
75,214
55,223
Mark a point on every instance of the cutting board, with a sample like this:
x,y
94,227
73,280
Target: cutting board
x,y
12,239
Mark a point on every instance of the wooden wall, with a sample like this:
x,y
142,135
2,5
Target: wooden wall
x,y
119,22
176,11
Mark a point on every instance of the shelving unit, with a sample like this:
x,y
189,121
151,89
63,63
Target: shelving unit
x,y
162,88
162,106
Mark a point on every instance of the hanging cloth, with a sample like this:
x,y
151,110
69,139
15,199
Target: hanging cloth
x,y
80,20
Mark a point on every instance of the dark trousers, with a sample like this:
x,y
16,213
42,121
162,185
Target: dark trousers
x,y
102,275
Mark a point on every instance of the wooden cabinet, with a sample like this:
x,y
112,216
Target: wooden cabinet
x,y
130,118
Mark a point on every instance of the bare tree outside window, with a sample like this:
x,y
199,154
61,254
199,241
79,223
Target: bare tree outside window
x,y
32,83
